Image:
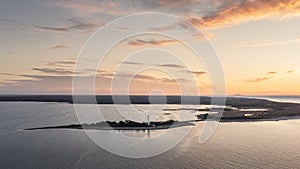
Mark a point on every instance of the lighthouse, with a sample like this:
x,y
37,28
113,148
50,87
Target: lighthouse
x,y
148,120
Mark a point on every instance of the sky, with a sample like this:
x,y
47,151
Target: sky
x,y
256,41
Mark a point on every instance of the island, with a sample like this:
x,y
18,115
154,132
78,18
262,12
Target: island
x,y
122,125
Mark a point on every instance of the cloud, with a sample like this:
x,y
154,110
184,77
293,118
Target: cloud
x,y
272,73
73,25
42,84
130,63
8,74
58,66
121,7
290,71
62,83
128,75
197,73
202,13
175,3
51,83
49,28
179,80
239,11
61,63
56,71
265,43
61,46
141,77
171,65
144,77
261,79
183,25
89,7
189,72
153,42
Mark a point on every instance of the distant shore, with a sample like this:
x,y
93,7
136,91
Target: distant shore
x,y
237,109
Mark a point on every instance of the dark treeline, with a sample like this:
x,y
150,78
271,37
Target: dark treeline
x,y
107,99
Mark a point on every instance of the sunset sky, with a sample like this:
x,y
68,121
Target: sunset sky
x,y
257,41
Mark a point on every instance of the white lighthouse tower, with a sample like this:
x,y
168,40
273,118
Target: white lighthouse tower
x,y
148,120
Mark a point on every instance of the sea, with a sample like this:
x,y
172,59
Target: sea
x,y
268,144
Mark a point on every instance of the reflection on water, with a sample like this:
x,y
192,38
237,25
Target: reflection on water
x,y
253,109
140,133
270,144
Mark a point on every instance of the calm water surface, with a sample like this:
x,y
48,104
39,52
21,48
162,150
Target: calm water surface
x,y
233,145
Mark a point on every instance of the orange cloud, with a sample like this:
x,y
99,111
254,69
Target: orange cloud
x,y
248,10
271,73
260,79
197,73
290,71
141,42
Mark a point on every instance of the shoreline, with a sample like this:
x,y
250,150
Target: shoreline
x,y
283,118
236,109
278,99
164,124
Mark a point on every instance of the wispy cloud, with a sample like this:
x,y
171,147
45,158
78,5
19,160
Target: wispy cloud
x,y
8,74
268,76
61,64
185,26
51,28
260,79
141,77
170,65
202,13
197,73
290,71
130,63
90,6
240,11
58,68
56,71
60,81
60,46
175,3
272,73
191,72
128,75
265,43
73,25
152,42
179,80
